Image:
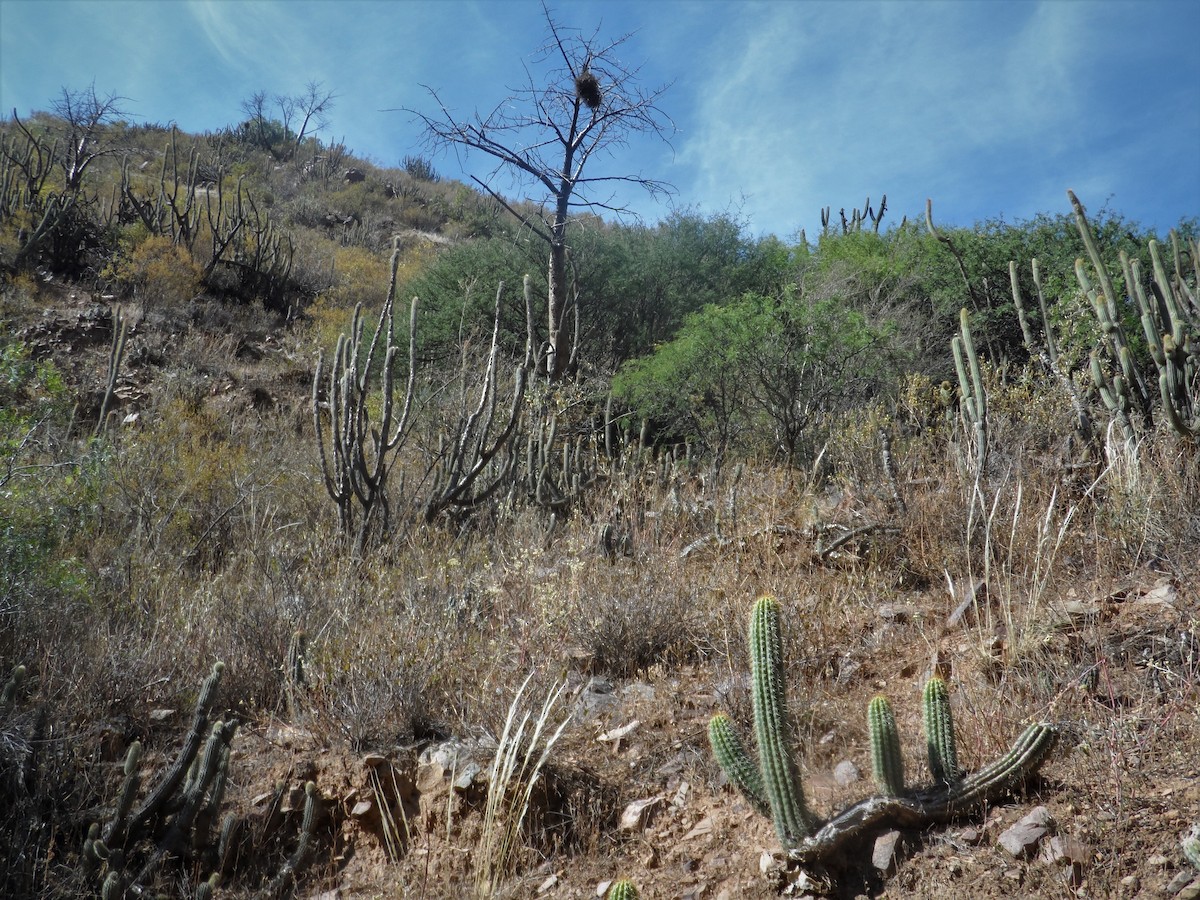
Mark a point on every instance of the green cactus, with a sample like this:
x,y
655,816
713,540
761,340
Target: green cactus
x,y
227,843
1178,359
295,863
115,832
773,787
1023,758
113,887
774,784
773,727
887,763
622,890
1047,352
1126,390
939,731
169,821
90,857
735,761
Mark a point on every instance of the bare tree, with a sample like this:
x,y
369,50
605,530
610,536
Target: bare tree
x,y
310,111
545,134
83,114
257,121
299,117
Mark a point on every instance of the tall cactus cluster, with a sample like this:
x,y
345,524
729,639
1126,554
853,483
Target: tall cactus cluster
x,y
974,397
1169,315
771,783
176,820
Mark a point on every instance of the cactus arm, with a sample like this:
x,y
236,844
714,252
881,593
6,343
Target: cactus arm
x,y
772,725
741,770
1024,758
887,764
937,804
939,732
115,832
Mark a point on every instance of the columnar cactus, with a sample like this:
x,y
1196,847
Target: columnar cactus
x,y
294,864
773,727
622,890
773,786
939,732
170,782
1190,844
115,833
8,696
887,763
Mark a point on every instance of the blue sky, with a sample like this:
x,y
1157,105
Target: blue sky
x,y
990,108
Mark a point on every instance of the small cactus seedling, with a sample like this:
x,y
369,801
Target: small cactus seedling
x,y
622,890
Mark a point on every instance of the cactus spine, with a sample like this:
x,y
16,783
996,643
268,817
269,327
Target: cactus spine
x,y
939,731
622,890
887,763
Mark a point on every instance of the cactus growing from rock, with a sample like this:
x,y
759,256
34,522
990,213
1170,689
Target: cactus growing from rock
x,y
774,786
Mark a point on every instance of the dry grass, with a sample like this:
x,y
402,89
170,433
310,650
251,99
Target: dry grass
x,y
203,533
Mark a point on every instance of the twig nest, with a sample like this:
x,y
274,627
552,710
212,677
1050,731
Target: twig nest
x,y
587,89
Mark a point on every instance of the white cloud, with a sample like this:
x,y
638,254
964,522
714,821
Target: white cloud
x,y
825,104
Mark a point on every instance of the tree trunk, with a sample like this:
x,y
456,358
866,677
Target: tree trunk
x,y
559,354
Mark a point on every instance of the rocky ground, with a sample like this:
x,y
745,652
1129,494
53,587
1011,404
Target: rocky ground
x,y
631,790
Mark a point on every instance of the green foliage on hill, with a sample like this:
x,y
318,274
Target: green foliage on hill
x,y
762,375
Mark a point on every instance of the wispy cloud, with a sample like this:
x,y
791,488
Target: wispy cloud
x,y
783,107
823,105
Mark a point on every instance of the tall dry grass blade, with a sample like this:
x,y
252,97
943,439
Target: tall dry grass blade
x,y
512,778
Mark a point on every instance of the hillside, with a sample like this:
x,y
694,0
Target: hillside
x,y
789,420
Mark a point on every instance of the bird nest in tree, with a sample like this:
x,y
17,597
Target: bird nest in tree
x,y
587,89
